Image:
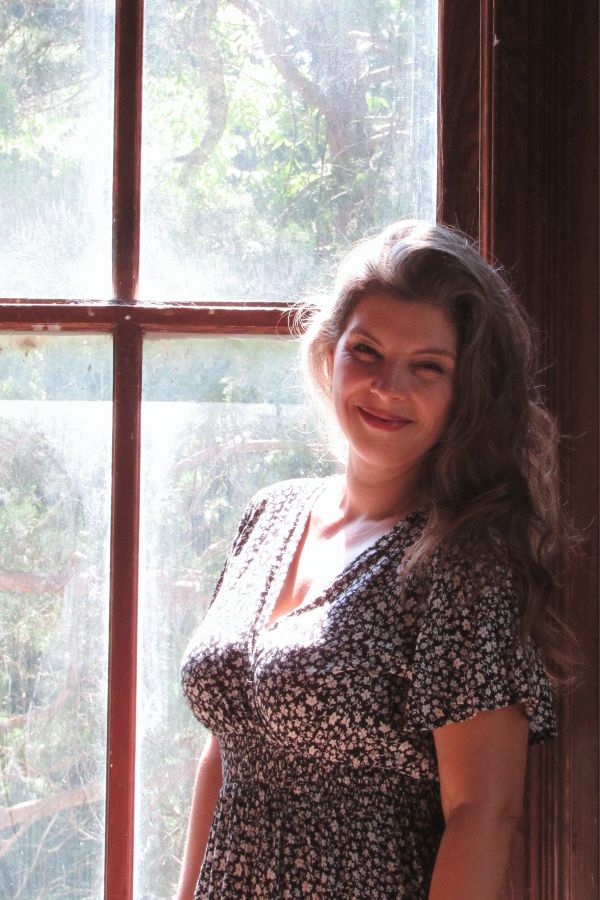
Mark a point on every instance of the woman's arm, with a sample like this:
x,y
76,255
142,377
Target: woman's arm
x,y
206,791
482,764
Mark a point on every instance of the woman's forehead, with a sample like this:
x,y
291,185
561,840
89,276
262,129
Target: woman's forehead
x,y
383,311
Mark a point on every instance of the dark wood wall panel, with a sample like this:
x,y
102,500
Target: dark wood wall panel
x,y
545,230
536,143
458,116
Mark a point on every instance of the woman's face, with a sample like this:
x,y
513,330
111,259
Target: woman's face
x,y
393,381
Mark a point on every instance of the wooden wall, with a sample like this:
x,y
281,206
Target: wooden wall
x,y
519,170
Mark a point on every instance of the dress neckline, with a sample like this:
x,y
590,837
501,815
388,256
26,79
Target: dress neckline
x,y
262,624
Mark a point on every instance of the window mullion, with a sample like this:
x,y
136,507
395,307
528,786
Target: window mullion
x,y
127,148
123,611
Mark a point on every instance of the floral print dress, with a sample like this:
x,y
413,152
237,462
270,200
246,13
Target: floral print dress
x,y
330,782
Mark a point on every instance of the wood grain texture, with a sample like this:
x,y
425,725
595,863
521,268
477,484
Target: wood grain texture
x,y
122,661
488,44
127,147
459,115
251,318
544,229
535,147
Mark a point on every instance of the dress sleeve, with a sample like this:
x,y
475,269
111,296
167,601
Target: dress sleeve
x,y
468,656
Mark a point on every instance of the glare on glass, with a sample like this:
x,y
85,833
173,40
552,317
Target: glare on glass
x,y
221,418
55,458
277,132
56,114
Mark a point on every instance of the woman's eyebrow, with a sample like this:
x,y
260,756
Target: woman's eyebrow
x,y
358,329
433,351
437,351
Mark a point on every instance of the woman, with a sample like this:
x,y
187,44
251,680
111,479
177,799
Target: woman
x,y
369,669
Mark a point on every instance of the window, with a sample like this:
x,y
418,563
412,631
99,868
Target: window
x,y
273,134
136,421
55,460
56,91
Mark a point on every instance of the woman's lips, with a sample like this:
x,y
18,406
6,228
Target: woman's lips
x,y
384,421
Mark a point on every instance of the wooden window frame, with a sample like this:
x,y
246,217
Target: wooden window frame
x,y
487,140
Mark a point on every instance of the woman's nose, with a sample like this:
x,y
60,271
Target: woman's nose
x,y
392,381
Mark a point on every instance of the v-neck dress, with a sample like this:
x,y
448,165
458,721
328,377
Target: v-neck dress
x,y
330,781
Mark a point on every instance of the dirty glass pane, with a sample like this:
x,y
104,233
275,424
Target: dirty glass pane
x,y
220,419
55,457
56,114
275,132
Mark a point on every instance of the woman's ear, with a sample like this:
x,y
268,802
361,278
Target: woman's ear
x,y
329,354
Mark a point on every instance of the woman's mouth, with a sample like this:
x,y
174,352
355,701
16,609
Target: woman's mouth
x,y
382,420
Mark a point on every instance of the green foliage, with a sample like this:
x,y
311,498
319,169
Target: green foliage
x,y
51,679
274,133
221,370
52,101
304,128
35,368
40,514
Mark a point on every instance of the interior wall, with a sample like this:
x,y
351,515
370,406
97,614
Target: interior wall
x,y
519,171
545,229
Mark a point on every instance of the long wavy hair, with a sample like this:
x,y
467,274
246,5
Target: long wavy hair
x,y
493,479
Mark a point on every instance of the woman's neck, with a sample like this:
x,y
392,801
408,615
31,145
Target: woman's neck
x,y
376,496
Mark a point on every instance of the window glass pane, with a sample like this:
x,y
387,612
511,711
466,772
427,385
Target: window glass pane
x,y
275,132
55,458
56,70
220,419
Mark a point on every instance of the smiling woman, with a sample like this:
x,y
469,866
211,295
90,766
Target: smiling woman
x,y
419,288
274,134
370,667
386,381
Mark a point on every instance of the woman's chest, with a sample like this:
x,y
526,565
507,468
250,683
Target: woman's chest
x,y
320,560
329,678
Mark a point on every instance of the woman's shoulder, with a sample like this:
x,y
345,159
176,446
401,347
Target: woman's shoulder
x,y
264,512
475,567
470,652
289,495
285,491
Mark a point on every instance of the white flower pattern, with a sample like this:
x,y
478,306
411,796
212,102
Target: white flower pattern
x,y
330,782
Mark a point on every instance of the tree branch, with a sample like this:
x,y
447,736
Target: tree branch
x,y
37,712
23,815
211,454
28,583
214,84
312,95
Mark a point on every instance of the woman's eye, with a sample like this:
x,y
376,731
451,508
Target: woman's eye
x,y
364,350
431,367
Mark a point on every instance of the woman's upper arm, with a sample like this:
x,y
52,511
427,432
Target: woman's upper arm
x,y
482,762
210,758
